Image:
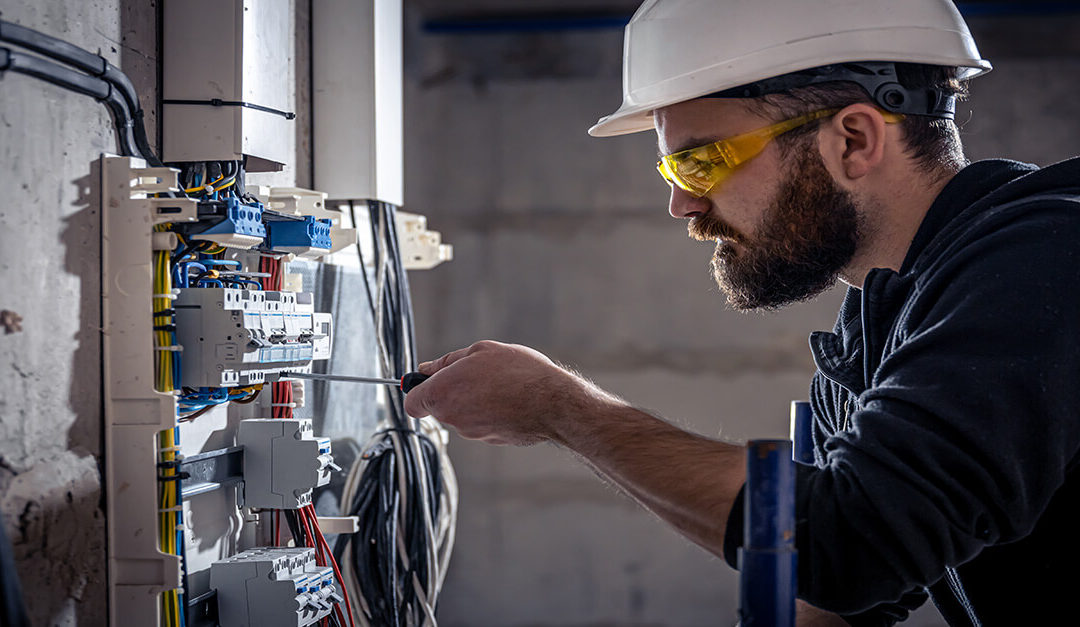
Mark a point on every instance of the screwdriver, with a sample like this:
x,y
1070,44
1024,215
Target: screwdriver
x,y
406,383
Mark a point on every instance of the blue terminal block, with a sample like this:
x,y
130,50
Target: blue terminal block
x,y
306,233
239,219
768,561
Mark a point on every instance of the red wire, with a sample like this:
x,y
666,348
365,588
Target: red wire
x,y
308,536
333,564
281,395
310,521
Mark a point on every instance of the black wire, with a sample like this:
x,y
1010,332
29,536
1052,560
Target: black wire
x,y
133,127
381,576
78,82
295,528
363,268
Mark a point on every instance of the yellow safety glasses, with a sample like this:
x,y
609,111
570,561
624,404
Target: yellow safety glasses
x,y
699,170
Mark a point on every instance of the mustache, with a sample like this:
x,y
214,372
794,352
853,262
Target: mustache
x,y
708,227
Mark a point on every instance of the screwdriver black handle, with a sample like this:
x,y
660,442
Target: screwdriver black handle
x,y
411,380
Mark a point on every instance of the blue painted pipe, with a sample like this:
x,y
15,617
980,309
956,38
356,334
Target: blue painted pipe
x,y
510,23
768,561
802,435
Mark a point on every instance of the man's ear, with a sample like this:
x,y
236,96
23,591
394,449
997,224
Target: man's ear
x,y
853,142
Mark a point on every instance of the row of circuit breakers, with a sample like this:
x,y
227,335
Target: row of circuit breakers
x,y
234,334
239,336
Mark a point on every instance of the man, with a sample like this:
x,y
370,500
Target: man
x,y
814,141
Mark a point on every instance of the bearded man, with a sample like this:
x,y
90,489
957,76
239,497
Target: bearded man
x,y
815,142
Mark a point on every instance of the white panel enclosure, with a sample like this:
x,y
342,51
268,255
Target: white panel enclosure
x,y
231,51
357,99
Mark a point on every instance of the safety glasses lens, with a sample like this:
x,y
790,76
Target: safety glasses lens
x,y
691,173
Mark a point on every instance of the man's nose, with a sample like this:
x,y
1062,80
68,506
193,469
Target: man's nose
x,y
685,205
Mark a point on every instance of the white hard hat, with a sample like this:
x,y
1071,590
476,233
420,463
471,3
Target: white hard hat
x,y
677,50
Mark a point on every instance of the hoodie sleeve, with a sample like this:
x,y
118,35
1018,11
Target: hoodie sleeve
x,y
969,424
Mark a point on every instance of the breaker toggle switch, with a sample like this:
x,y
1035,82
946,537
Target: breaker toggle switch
x,y
273,587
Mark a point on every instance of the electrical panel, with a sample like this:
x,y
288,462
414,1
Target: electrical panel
x,y
273,587
213,292
203,323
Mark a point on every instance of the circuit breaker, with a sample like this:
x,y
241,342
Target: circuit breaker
x,y
283,462
273,587
237,337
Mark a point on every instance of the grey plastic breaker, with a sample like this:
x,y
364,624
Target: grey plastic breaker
x,y
234,337
283,462
273,587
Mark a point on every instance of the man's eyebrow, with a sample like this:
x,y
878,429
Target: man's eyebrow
x,y
693,142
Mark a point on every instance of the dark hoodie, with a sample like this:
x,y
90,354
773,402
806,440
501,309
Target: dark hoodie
x,y
947,416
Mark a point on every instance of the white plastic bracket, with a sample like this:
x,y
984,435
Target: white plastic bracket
x,y
134,411
421,249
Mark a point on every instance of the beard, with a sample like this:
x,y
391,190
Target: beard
x,y
808,233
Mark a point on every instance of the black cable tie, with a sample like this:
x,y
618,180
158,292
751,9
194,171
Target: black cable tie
x,y
164,312
172,463
218,102
177,477
165,327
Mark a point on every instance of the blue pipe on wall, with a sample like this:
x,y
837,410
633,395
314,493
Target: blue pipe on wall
x,y
768,561
802,433
575,22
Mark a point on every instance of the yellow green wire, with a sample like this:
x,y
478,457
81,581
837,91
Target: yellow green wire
x,y
162,284
168,519
163,381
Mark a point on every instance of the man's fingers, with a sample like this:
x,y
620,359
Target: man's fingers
x,y
431,367
418,401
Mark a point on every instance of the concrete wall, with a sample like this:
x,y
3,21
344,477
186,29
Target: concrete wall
x,y
50,370
50,404
562,242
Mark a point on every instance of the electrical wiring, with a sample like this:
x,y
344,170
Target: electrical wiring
x,y
171,519
165,373
96,66
100,90
402,488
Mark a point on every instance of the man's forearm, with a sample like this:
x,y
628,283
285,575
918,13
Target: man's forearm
x,y
688,480
509,394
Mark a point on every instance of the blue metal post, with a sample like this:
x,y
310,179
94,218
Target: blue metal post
x,y
767,560
802,435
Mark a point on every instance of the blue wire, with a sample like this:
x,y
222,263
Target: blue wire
x,y
257,285
185,268
180,533
220,262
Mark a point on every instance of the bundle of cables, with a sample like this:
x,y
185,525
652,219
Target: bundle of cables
x,y
402,488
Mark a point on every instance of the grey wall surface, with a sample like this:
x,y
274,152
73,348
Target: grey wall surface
x,y
50,370
562,242
50,403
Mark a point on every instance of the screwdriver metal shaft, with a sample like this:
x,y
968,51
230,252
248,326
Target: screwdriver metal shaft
x,y
406,383
340,377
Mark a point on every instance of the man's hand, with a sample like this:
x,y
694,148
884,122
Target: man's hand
x,y
501,393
